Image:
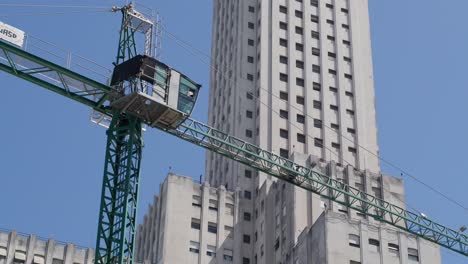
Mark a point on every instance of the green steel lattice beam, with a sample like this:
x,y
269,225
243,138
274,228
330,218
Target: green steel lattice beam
x,y
316,182
119,198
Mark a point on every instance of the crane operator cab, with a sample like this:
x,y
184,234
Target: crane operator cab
x,y
165,97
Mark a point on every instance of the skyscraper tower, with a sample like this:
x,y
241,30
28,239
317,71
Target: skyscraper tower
x,y
295,77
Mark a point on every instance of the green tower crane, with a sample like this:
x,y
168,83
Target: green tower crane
x,y
145,92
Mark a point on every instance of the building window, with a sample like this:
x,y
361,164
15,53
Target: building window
x,y
250,77
299,47
249,114
332,72
229,209
348,76
194,247
315,35
248,133
249,96
318,142
329,6
211,251
317,86
196,200
334,107
246,239
350,112
354,262
316,68
283,42
354,240
227,255
250,42
283,77
301,138
284,95
250,59
245,260
300,100
212,227
315,52
317,105
283,9
413,255
317,123
277,244
300,82
344,10
336,145
393,248
347,42
298,13
352,150
251,25
213,205
314,18
331,38
284,114
248,174
374,245
251,9
350,94
284,153
247,195
54,261
330,22
299,30
283,25
284,133
283,59
347,59
314,3
247,217
300,119
195,224
300,64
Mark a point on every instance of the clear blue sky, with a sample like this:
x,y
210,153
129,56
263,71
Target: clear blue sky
x,y
52,157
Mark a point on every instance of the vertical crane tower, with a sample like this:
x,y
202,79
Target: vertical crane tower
x,y
119,197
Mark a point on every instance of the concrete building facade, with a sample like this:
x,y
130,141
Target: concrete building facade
x,y
294,77
335,239
16,248
190,222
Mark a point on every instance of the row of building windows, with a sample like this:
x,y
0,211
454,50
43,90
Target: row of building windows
x,y
213,205
211,251
283,9
355,241
299,63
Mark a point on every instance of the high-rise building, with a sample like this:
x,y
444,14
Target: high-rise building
x,y
295,77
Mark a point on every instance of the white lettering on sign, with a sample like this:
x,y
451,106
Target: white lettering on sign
x,y
11,34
